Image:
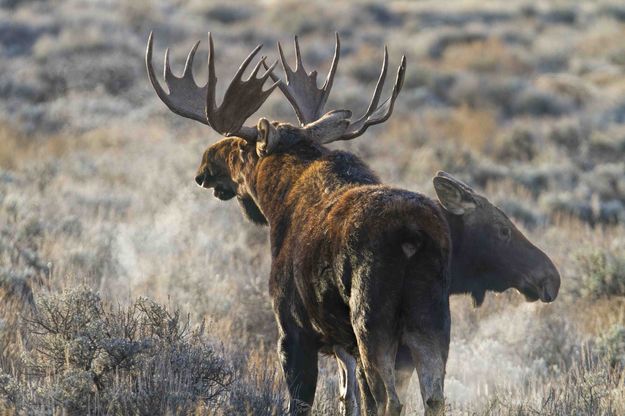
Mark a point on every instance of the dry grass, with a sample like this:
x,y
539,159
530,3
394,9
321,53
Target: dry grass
x,y
464,126
14,147
490,55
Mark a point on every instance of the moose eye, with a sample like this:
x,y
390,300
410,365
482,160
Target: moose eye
x,y
505,233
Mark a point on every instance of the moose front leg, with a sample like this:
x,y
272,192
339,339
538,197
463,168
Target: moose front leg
x,y
298,358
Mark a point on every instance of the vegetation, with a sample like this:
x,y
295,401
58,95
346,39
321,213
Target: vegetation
x,y
99,211
85,357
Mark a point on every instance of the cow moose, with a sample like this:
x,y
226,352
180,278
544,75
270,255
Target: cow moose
x,y
356,265
326,210
489,253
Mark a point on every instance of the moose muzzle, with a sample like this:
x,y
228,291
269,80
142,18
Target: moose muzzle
x,y
549,284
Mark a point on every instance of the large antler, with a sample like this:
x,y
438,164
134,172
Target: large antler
x,y
301,88
186,98
308,100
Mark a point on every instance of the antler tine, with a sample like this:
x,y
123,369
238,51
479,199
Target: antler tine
x,y
301,89
212,79
377,114
246,62
378,86
299,65
257,67
241,99
269,71
186,98
188,65
167,74
327,85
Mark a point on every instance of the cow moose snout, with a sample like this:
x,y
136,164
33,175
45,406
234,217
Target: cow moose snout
x,y
550,291
549,285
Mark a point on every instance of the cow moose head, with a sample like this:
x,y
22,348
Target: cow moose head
x,y
489,252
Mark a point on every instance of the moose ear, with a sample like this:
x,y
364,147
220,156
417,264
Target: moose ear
x,y
455,196
328,128
267,137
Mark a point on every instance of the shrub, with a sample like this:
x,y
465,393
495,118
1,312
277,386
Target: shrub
x,y
567,204
17,39
602,273
22,268
611,346
607,181
540,103
258,389
605,147
521,212
569,134
554,340
561,15
88,357
491,91
585,390
228,14
516,145
453,37
615,11
381,15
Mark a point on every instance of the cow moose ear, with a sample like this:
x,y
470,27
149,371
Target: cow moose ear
x,y
267,137
453,195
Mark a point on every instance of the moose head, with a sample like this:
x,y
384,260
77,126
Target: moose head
x,y
225,163
489,252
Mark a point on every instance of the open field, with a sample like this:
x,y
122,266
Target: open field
x,y
126,289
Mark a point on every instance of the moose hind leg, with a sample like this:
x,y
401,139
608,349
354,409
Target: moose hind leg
x,y
427,337
431,371
377,361
299,365
404,367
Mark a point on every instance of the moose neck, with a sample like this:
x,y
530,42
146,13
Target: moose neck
x,y
464,278
456,229
286,185
274,185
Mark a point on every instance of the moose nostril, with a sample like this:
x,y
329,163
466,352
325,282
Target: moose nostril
x,y
549,291
199,179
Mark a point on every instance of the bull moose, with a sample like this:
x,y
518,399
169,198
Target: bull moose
x,y
355,264
357,267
